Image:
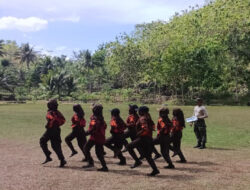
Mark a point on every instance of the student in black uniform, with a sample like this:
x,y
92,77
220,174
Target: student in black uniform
x,y
115,142
144,140
131,125
176,133
96,131
53,133
78,124
163,136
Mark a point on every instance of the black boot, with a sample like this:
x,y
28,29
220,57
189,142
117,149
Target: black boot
x,y
136,164
154,173
88,166
48,159
175,154
62,163
198,145
84,160
90,163
73,153
181,161
103,169
203,146
122,162
170,166
157,156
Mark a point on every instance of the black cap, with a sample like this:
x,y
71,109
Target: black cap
x,y
164,110
143,109
97,108
133,107
52,104
199,100
115,112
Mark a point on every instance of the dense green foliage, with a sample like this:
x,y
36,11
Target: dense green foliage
x,y
200,52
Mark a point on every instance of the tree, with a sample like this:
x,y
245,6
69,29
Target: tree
x,y
1,48
26,54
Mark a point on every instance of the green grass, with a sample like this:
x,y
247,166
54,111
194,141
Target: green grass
x,y
227,126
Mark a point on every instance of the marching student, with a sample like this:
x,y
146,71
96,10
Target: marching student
x,y
176,133
115,142
53,133
131,124
163,136
144,140
78,124
96,131
200,126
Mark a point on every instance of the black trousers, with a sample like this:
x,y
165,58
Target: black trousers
x,y
176,140
146,145
54,135
164,141
115,143
98,150
79,134
200,131
132,134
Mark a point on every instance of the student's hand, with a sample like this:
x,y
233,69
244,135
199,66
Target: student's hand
x,y
191,124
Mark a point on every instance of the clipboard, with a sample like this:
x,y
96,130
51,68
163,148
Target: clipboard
x,y
191,119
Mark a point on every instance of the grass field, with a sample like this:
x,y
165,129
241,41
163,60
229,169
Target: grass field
x,y
224,165
228,127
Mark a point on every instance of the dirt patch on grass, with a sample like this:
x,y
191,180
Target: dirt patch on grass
x,y
214,168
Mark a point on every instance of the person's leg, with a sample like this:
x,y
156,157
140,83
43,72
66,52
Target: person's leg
x,y
68,140
118,146
134,144
109,143
81,140
125,142
156,141
99,153
56,145
87,149
178,147
197,134
203,133
44,145
148,148
164,144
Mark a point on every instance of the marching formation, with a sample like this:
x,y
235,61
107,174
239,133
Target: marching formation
x,y
139,127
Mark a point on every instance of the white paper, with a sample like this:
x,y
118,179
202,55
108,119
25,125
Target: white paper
x,y
191,119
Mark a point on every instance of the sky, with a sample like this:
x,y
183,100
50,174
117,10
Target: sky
x,y
56,27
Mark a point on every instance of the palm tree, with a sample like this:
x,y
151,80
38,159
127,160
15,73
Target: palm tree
x,y
26,54
1,48
88,60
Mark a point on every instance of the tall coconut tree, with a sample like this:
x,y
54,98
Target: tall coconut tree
x,y
26,54
1,48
